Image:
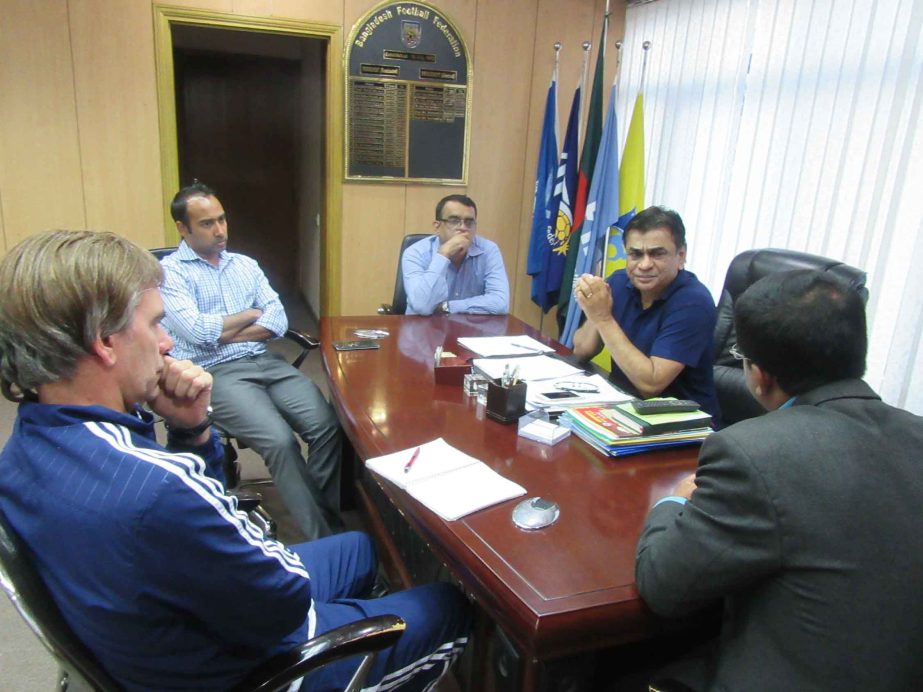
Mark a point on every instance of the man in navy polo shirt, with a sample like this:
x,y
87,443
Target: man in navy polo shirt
x,y
656,318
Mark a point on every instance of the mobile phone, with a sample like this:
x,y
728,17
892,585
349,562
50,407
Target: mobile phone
x,y
355,345
560,395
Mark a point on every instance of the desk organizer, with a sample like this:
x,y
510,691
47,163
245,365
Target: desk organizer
x,y
506,404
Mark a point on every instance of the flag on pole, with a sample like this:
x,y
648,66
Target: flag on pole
x,y
541,241
631,201
587,164
561,218
631,185
602,211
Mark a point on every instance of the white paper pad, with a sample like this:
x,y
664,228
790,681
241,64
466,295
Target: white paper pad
x,y
490,346
446,480
530,368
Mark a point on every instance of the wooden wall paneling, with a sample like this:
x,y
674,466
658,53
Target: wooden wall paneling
x,y
40,178
117,115
314,10
421,205
373,224
211,5
253,8
503,72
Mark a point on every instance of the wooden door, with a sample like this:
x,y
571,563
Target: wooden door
x,y
237,133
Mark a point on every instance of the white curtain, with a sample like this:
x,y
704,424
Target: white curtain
x,y
793,124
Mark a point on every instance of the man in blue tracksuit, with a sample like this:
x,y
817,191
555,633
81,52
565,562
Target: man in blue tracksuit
x,y
152,565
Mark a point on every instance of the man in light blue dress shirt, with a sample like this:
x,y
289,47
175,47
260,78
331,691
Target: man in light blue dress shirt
x,y
221,311
455,269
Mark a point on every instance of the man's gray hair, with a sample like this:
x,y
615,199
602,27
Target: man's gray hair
x,y
61,290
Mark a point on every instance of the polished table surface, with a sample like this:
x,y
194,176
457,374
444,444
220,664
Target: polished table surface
x,y
558,591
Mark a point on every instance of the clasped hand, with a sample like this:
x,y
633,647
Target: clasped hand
x,y
594,297
184,393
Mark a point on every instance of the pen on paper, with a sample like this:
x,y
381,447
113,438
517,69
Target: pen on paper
x,y
526,348
413,458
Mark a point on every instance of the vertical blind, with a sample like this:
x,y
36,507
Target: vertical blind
x,y
793,124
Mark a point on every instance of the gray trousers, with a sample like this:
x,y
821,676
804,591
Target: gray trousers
x,y
261,401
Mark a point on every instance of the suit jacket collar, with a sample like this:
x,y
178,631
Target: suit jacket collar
x,y
842,389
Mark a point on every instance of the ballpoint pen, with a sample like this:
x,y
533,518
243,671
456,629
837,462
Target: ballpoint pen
x,y
514,376
413,458
526,348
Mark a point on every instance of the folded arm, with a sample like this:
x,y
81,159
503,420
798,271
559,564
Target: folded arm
x,y
260,317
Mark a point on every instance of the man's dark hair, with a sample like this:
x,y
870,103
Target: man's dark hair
x,y
659,217
466,201
179,208
804,327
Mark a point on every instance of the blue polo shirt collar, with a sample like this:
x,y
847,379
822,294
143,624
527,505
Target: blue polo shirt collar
x,y
682,278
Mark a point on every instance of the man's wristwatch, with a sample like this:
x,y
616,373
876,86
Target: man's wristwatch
x,y
189,434
442,308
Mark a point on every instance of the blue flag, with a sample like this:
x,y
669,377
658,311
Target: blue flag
x,y
602,212
540,245
561,219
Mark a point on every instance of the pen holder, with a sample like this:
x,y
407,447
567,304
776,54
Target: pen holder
x,y
506,404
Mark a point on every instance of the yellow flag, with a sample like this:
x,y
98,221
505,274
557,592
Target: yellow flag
x,y
631,172
631,196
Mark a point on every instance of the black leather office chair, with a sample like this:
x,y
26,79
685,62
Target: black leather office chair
x,y
398,305
733,396
247,499
81,671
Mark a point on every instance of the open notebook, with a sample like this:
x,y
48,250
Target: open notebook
x,y
446,480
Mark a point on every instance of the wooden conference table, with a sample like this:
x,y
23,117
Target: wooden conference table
x,y
557,592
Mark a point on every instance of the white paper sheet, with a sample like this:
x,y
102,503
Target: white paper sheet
x,y
491,346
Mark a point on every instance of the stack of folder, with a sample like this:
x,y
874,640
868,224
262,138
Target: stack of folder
x,y
619,430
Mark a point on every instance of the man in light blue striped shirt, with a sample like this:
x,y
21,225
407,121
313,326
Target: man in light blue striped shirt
x,y
220,311
455,270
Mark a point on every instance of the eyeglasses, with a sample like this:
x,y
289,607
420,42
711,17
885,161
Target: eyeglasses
x,y
576,387
468,222
735,352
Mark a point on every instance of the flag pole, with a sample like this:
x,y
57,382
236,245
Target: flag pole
x,y
618,62
586,60
557,138
602,265
646,46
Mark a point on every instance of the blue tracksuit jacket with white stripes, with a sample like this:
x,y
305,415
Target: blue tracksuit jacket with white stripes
x,y
141,541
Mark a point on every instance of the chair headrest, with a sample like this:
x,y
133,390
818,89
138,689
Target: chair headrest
x,y
752,265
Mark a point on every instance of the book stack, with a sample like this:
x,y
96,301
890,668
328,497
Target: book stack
x,y
619,430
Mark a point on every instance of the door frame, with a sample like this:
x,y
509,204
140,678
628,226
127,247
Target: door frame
x,y
331,228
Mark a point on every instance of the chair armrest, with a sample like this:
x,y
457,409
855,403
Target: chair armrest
x,y
306,341
364,636
247,500
385,309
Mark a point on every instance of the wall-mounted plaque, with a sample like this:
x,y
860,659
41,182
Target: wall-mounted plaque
x,y
408,96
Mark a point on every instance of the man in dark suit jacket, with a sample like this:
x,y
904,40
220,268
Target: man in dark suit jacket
x,y
806,522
